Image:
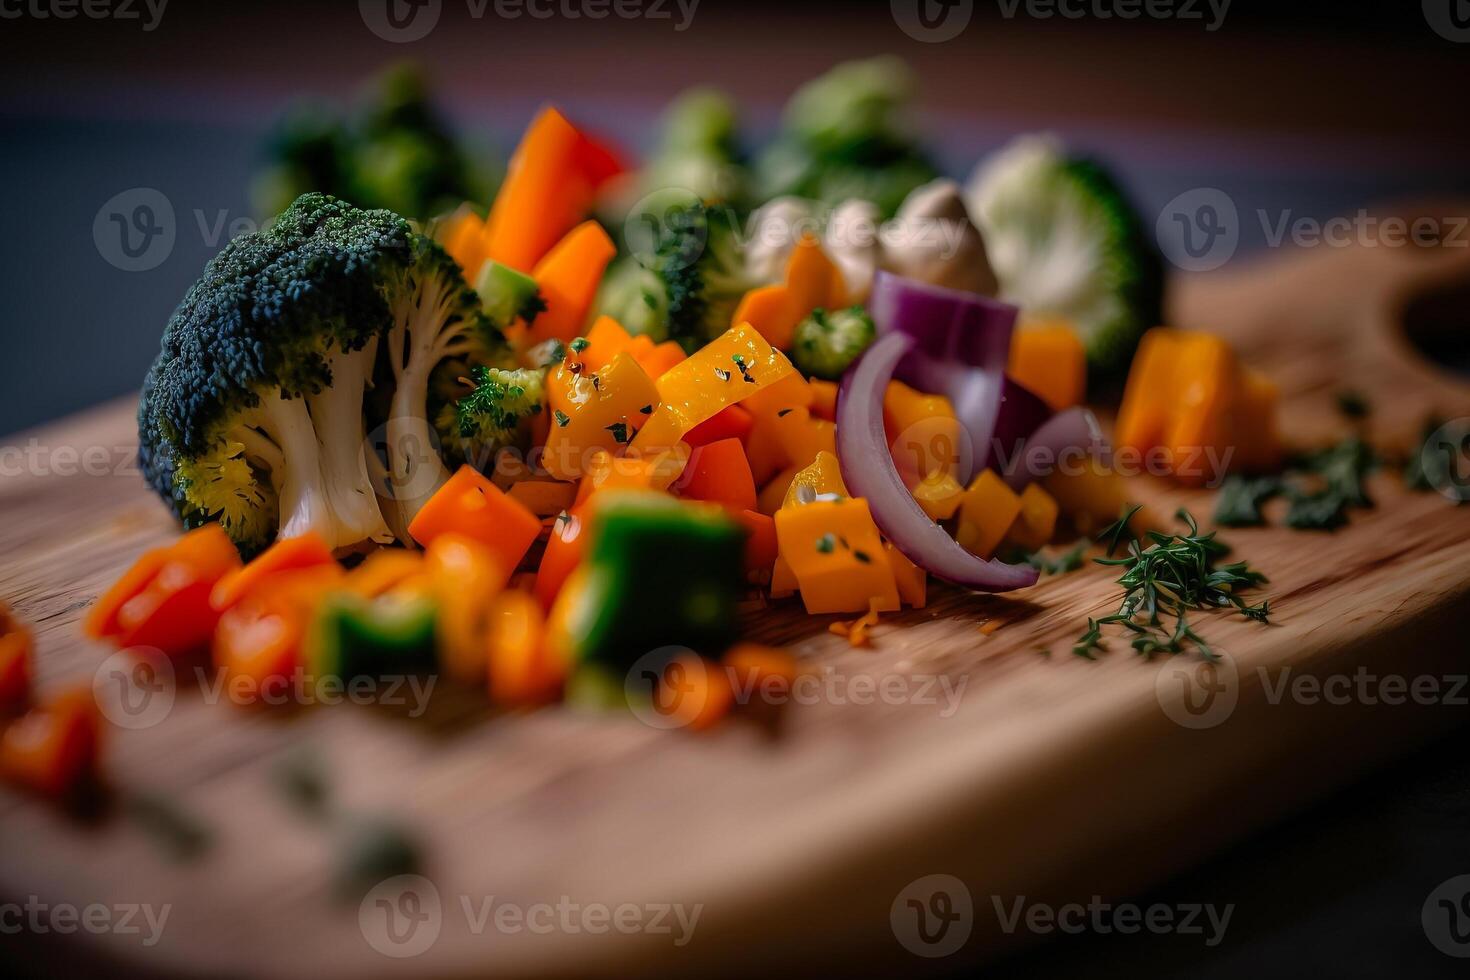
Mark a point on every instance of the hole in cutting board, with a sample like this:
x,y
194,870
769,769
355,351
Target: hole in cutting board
x,y
1437,322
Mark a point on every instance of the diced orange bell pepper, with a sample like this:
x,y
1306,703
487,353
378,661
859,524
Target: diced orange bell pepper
x,y
693,693
1205,387
760,544
466,578
802,436
658,359
988,510
471,505
383,571
171,611
824,399
259,639
783,580
1049,359
1257,437
733,422
16,650
564,552
773,494
729,369
464,240
567,278
544,498
1093,496
53,748
305,551
1148,400
812,282
101,620
522,668
1037,521
834,550
549,186
606,339
592,411
912,580
719,473
939,495
923,434
822,476
635,472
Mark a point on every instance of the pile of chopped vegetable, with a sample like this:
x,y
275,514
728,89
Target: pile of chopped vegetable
x,y
529,454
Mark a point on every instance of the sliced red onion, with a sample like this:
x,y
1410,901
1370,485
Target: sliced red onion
x,y
1074,431
962,344
947,324
869,472
1021,413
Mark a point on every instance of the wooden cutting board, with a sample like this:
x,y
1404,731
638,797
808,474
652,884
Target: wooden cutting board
x,y
1052,777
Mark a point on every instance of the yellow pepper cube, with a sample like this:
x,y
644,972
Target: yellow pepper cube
x,y
730,368
1037,521
824,475
594,410
833,549
925,435
988,510
939,494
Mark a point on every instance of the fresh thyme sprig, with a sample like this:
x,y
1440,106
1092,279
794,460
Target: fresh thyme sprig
x,y
1162,581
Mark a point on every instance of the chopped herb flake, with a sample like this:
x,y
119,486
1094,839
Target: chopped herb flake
x,y
827,544
562,418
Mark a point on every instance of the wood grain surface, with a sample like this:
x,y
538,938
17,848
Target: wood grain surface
x,y
1049,777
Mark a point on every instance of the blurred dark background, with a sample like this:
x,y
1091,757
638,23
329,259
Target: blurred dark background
x,y
1311,108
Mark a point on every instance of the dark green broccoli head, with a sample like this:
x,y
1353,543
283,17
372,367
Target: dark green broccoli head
x,y
701,266
256,397
826,343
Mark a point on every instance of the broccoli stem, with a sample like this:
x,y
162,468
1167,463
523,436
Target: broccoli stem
x,y
336,414
425,331
305,504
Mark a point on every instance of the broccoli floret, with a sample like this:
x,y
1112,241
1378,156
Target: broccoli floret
x,y
845,135
396,153
686,273
633,294
1065,243
252,414
825,344
701,268
495,415
697,149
